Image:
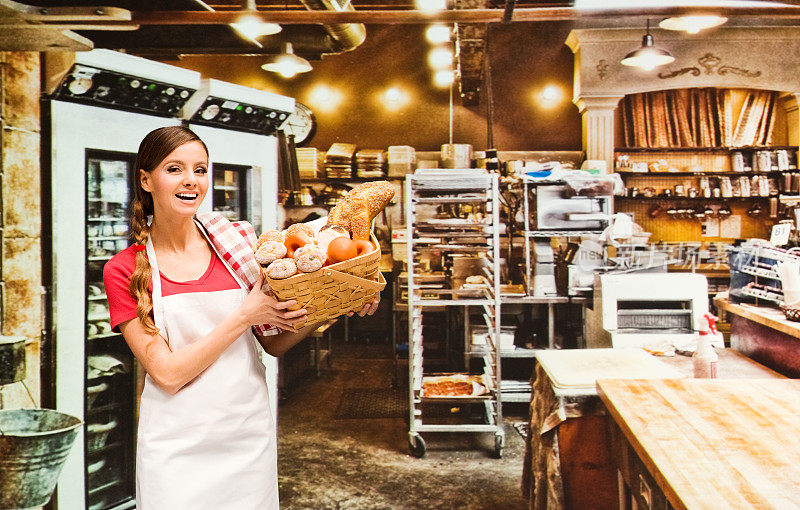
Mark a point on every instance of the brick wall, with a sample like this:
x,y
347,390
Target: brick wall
x,y
20,208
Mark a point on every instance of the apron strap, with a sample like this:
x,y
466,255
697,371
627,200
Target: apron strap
x,y
158,304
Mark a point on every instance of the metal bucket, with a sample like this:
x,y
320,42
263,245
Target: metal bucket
x,y
33,446
12,359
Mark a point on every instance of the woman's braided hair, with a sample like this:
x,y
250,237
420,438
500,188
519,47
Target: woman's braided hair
x,y
155,147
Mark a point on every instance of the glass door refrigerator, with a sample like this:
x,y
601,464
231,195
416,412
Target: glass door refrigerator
x,y
230,191
110,376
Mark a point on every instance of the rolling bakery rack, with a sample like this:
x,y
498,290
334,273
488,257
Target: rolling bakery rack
x,y
425,191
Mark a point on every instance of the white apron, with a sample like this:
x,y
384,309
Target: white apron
x,y
212,445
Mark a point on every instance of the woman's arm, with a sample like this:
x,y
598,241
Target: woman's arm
x,y
172,370
277,345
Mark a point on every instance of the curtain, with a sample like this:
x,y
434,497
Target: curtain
x,y
698,117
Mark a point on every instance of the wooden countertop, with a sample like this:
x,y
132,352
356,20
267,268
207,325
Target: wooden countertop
x,y
713,443
770,317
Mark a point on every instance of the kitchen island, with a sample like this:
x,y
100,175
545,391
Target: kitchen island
x,y
705,443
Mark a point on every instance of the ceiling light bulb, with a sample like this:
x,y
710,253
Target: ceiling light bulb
x,y
440,58
393,95
438,34
692,24
430,6
550,95
444,78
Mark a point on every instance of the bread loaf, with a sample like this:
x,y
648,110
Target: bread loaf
x,y
360,206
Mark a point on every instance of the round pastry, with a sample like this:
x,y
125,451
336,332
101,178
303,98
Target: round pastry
x,y
269,235
309,258
282,268
299,228
328,233
296,241
363,246
269,252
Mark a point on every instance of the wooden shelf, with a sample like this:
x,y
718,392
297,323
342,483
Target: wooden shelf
x,y
706,149
712,270
697,174
688,199
350,179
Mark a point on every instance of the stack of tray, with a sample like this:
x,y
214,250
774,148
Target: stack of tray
x,y
369,164
339,161
308,162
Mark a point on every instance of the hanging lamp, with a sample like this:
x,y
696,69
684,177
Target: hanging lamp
x,y
251,27
648,57
287,64
692,24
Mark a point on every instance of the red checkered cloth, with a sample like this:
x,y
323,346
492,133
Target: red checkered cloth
x,y
234,242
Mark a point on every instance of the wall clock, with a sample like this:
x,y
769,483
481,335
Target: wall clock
x,y
302,124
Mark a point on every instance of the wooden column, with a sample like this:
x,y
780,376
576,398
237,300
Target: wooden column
x,y
597,119
791,102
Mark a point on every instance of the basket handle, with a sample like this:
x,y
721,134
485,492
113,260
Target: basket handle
x,y
355,280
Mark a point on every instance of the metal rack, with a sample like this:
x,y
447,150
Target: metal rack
x,y
427,189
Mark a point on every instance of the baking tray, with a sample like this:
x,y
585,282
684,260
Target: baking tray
x,y
481,385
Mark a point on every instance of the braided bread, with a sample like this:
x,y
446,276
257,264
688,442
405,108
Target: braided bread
x,y
360,206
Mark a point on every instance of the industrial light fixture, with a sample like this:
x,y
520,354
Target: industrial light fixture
x,y
692,24
648,57
287,64
250,26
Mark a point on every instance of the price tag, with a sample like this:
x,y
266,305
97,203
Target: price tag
x,y
780,234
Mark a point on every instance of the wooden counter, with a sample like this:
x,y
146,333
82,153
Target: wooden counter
x,y
568,460
764,334
770,317
709,443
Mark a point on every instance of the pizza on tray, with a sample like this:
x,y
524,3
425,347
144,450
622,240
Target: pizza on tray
x,y
459,385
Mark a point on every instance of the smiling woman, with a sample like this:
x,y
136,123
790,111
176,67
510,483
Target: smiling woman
x,y
206,438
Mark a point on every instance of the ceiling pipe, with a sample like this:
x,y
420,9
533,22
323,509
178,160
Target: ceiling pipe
x,y
348,35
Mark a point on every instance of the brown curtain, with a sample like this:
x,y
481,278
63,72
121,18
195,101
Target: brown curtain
x,y
699,117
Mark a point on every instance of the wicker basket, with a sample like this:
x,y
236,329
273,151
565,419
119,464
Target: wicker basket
x,y
792,313
333,290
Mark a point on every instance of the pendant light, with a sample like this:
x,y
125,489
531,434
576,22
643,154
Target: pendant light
x,y
287,64
250,26
648,57
692,24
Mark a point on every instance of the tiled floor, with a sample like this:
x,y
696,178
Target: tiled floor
x,y
326,462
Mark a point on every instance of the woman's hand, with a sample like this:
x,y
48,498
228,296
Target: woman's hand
x,y
261,308
369,308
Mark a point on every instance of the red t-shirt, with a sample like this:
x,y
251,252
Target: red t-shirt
x,y
117,279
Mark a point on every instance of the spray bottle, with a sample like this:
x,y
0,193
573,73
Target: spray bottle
x,y
705,358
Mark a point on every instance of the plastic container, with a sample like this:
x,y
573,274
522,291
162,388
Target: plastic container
x,y
705,358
